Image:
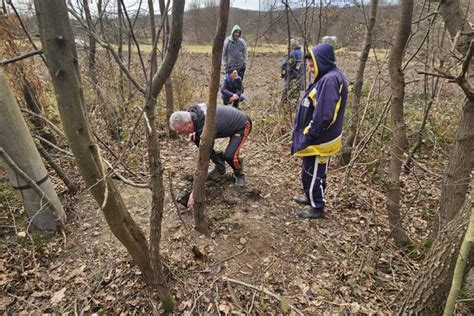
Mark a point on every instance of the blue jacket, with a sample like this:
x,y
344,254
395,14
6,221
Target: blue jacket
x,y
230,87
318,122
293,67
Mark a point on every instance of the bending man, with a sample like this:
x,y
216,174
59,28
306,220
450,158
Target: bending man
x,y
230,122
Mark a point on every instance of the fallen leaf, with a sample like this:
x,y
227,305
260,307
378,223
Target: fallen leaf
x,y
58,296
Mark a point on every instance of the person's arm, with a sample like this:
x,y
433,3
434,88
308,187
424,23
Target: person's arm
x,y
239,87
245,52
225,89
224,53
284,68
326,109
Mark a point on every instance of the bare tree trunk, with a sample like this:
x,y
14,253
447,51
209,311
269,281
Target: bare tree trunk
x,y
16,141
151,15
200,218
359,81
169,82
34,106
429,288
58,44
458,171
120,45
399,139
169,105
92,43
463,263
154,161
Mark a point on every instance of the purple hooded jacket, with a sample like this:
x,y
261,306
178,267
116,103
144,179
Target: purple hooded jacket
x,y
319,117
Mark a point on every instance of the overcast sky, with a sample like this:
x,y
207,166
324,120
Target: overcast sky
x,y
243,4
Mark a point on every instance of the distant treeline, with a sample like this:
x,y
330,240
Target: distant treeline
x,y
347,23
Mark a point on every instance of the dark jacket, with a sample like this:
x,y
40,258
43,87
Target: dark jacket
x,y
229,121
318,122
230,87
293,67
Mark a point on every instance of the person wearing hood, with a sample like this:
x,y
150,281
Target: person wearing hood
x,y
234,52
230,123
292,72
232,89
318,126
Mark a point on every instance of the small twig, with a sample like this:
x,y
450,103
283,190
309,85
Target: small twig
x,y
47,142
123,179
234,298
53,126
231,257
173,198
20,57
34,186
23,300
264,290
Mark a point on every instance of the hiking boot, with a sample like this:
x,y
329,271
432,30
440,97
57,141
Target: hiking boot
x,y
239,179
302,200
312,213
183,198
219,169
219,164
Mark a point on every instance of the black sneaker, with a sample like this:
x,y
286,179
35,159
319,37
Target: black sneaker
x,y
312,213
302,200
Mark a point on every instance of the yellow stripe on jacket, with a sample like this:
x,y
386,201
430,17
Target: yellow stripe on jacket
x,y
312,96
328,149
338,105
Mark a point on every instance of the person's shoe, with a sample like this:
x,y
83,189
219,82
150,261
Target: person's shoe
x,y
302,200
219,169
239,179
312,213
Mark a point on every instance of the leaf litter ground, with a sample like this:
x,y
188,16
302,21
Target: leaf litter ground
x,y
342,264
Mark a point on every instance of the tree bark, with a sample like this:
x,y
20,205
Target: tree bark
x,y
16,140
399,139
460,268
58,43
92,43
359,81
169,82
461,162
428,289
207,139
154,161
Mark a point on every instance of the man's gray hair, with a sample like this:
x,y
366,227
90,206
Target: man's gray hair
x,y
179,118
294,43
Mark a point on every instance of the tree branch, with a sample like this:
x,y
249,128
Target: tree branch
x,y
21,57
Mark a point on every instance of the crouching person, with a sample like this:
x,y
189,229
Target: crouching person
x,y
232,90
318,126
230,123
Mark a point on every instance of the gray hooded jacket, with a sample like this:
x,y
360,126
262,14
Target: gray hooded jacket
x,y
234,53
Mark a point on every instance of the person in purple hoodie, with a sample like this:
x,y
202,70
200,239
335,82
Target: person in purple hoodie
x,y
318,127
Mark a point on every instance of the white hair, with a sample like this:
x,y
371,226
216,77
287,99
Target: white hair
x,y
294,43
179,118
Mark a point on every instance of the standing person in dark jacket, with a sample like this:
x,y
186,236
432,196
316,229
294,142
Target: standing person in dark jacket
x,y
230,123
232,90
234,52
318,126
292,71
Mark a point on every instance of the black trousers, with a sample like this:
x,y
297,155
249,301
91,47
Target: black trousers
x,y
231,155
